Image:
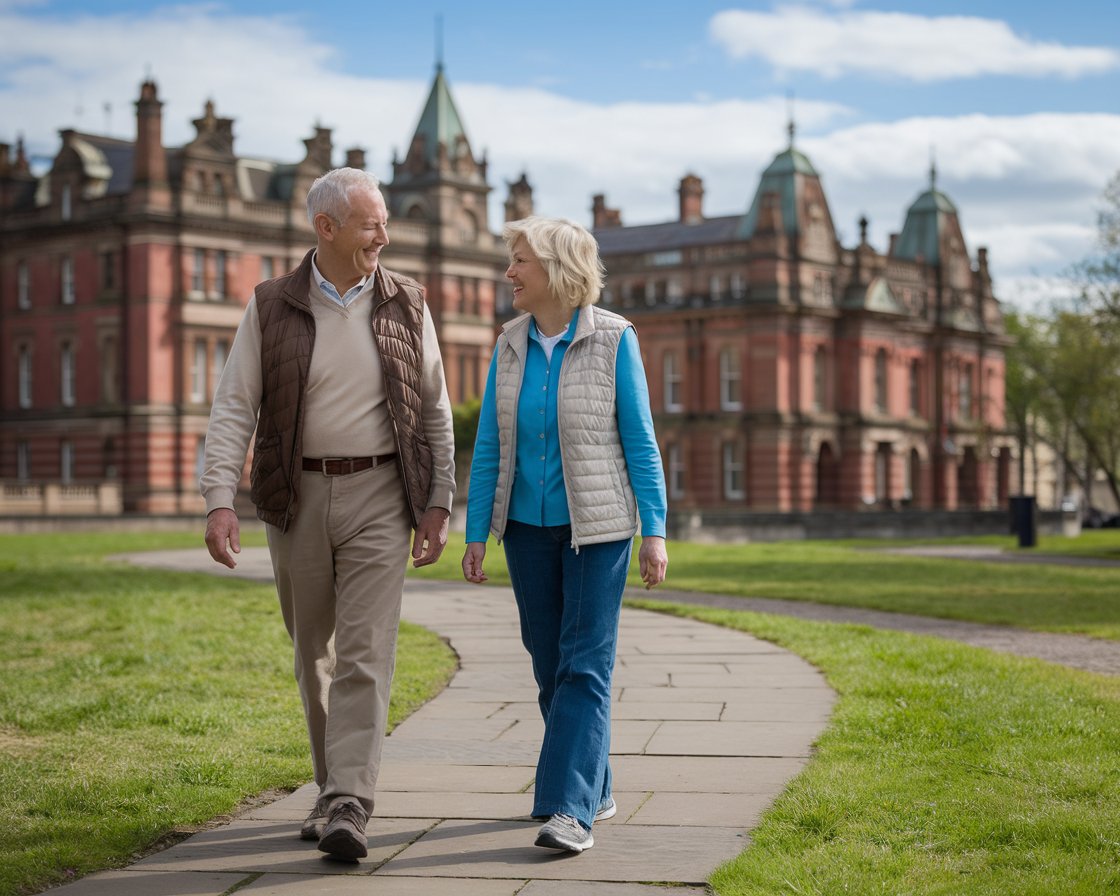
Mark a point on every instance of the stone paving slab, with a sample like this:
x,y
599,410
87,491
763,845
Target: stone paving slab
x,y
731,810
598,888
256,845
136,882
628,852
705,774
694,706
361,885
733,738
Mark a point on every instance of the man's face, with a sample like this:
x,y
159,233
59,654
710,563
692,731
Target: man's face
x,y
359,239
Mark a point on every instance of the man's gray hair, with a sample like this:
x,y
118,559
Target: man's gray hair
x,y
330,194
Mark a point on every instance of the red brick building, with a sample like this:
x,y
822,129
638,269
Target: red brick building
x,y
790,373
124,270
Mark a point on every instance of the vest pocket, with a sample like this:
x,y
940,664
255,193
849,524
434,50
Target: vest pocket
x,y
268,480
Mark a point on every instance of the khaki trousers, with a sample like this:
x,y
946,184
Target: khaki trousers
x,y
339,576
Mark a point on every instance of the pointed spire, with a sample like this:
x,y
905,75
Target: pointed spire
x,y
932,169
440,125
791,127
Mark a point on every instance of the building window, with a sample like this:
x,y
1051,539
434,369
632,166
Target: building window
x,y
672,383
67,276
66,375
738,286
715,288
267,268
675,465
221,352
67,203
198,272
915,387
23,286
66,462
221,263
966,392
730,380
820,378
881,381
883,473
23,462
24,376
108,270
198,371
733,471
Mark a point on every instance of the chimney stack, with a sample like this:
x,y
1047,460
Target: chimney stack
x,y
691,193
150,165
601,216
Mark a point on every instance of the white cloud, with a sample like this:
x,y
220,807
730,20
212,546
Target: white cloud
x,y
1026,186
922,48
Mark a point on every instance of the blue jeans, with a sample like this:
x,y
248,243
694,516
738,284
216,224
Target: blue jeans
x,y
569,605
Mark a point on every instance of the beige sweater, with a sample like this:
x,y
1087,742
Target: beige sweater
x,y
346,413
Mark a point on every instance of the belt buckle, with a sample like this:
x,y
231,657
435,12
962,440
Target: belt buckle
x,y
336,460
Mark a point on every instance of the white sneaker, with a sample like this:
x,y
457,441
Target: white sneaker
x,y
607,809
564,832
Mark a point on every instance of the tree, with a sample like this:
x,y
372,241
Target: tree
x,y
1063,371
1099,275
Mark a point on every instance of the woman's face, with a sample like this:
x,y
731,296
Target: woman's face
x,y
529,279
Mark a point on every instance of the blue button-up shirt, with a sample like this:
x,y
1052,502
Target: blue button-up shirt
x,y
331,292
539,497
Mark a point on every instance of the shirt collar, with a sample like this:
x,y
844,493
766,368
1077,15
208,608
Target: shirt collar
x,y
567,336
329,288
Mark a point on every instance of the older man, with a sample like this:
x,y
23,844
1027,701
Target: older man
x,y
337,368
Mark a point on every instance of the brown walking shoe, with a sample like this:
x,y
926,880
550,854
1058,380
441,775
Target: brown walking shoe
x,y
344,836
312,827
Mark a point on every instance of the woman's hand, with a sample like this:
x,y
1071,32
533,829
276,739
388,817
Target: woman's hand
x,y
653,560
472,562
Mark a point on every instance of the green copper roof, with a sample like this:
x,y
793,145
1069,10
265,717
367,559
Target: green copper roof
x,y
781,178
440,122
921,234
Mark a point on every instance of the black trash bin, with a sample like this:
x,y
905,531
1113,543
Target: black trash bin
x,y
1024,521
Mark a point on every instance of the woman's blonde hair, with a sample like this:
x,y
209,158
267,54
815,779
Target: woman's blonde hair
x,y
568,253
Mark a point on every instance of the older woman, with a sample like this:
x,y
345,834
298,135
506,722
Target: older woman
x,y
565,464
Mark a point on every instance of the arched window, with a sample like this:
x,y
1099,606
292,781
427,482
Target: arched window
x,y
881,380
820,379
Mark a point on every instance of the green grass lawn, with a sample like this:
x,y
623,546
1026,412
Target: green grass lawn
x,y
135,703
1083,600
946,771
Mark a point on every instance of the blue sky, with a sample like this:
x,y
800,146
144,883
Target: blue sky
x,y
1017,102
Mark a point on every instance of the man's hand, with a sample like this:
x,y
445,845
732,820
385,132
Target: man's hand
x,y
431,536
472,562
653,560
222,530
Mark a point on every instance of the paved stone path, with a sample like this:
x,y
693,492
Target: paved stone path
x,y
709,726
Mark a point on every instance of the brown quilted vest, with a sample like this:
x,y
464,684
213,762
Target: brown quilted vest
x,y
287,340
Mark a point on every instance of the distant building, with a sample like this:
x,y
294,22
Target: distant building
x,y
124,271
787,372
790,373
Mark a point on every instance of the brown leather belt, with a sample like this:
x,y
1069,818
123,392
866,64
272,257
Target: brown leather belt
x,y
341,466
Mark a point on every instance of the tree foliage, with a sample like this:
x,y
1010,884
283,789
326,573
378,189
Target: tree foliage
x,y
1063,372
